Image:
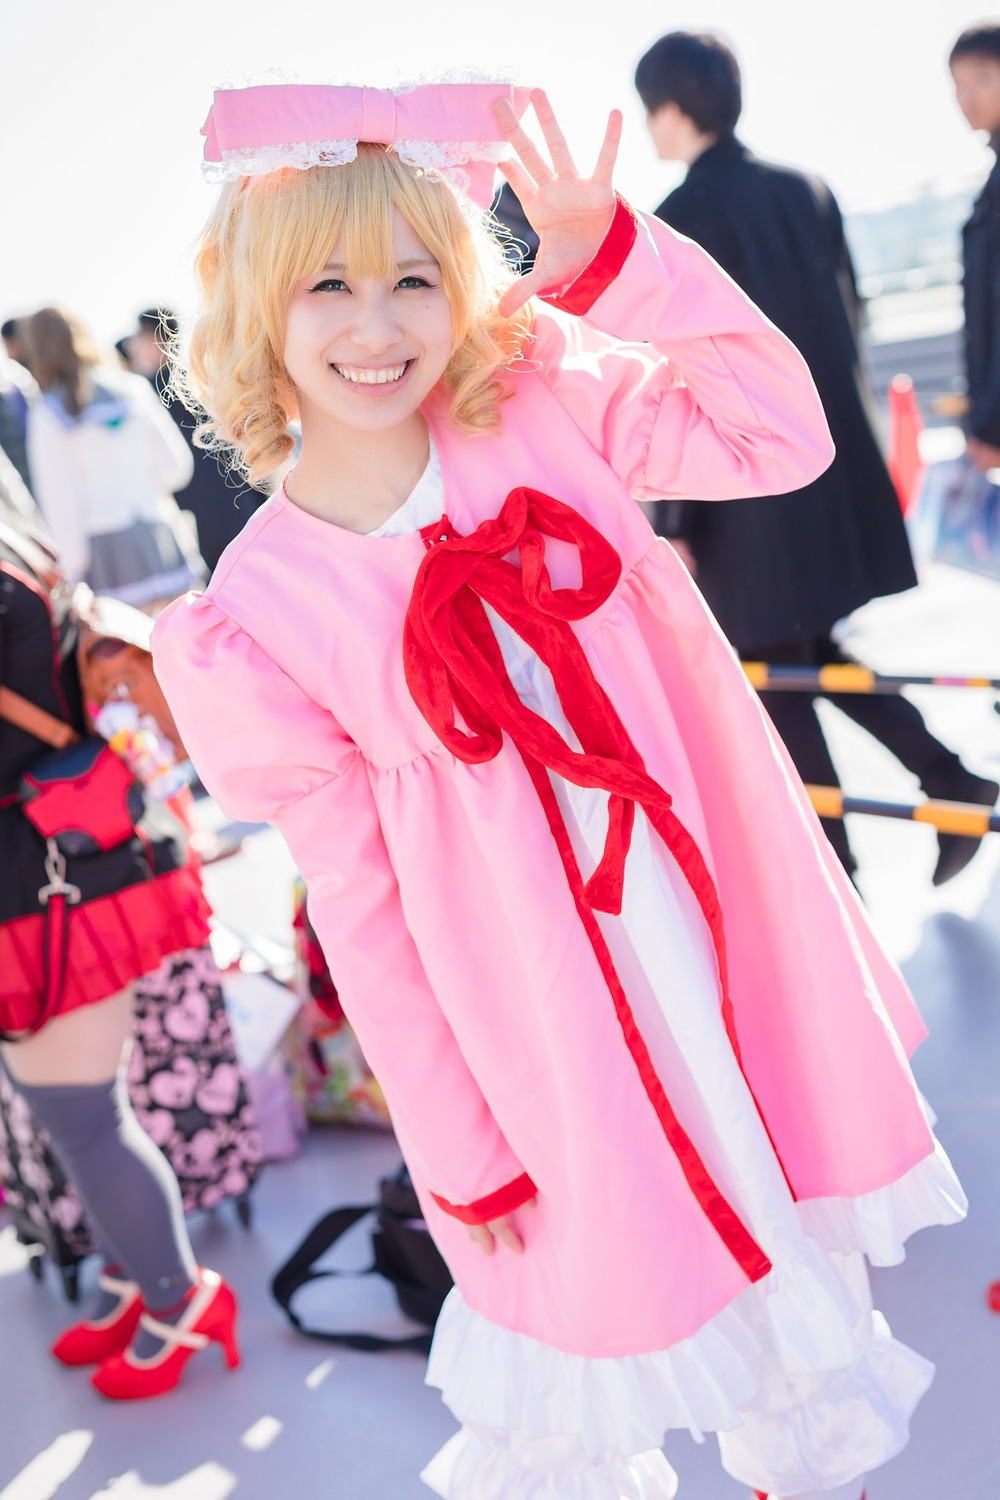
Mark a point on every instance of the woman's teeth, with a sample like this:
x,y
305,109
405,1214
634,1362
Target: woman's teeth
x,y
358,375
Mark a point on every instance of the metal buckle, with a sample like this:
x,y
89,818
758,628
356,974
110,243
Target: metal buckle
x,y
55,869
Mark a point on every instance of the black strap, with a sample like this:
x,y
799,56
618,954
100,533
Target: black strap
x,y
297,1272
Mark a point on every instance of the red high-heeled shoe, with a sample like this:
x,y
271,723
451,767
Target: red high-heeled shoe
x,y
993,1296
208,1318
93,1340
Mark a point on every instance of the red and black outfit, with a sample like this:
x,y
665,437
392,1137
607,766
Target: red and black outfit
x,y
141,901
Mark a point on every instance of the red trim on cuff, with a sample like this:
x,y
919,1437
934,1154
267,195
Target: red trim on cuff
x,y
595,278
494,1205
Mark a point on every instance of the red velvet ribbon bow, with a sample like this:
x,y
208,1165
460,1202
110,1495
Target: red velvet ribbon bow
x,y
453,661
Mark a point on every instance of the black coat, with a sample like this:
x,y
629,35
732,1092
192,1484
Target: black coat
x,y
777,568
509,214
38,634
981,256
221,504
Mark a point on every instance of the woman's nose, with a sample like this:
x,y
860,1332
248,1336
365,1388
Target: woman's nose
x,y
375,328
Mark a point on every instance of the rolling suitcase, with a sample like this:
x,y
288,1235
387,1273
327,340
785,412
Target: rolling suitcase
x,y
189,1094
47,1214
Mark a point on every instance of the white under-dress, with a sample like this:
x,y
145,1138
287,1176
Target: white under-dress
x,y
799,1377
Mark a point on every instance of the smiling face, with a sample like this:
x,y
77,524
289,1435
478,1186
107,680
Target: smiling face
x,y
364,352
977,90
309,278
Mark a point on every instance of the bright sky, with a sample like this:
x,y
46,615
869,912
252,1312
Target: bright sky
x,y
101,102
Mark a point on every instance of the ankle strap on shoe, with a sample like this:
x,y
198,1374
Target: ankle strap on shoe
x,y
116,1287
169,1333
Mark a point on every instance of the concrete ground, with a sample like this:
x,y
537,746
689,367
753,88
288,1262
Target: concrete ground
x,y
312,1423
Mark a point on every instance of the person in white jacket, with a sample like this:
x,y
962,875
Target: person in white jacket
x,y
106,460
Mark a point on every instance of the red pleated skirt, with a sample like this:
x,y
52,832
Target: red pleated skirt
x,y
113,940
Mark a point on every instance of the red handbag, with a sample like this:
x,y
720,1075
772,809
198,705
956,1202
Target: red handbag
x,y
84,799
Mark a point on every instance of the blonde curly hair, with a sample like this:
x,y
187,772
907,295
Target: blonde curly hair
x,y
267,233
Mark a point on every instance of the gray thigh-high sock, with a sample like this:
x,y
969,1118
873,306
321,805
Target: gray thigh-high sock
x,y
125,1182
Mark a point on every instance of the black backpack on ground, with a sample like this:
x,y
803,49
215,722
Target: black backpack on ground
x,y
403,1253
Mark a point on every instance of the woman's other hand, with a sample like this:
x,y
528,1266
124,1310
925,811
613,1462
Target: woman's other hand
x,y
500,1231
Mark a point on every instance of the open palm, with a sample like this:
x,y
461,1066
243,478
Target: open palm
x,y
570,213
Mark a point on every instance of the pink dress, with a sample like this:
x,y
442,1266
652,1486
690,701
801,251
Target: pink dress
x,y
581,914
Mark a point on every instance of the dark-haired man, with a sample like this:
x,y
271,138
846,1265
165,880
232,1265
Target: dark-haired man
x,y
13,342
780,571
975,68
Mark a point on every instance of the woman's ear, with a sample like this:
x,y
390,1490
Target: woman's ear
x,y
285,394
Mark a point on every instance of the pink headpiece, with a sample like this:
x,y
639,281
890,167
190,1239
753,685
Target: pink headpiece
x,y
449,128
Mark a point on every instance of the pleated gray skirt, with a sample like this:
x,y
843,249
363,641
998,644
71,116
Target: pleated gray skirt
x,y
142,563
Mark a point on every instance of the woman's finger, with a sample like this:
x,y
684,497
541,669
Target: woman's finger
x,y
522,142
518,293
505,1232
481,1235
562,158
521,181
608,154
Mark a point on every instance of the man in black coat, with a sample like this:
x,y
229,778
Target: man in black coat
x,y
221,505
778,572
975,68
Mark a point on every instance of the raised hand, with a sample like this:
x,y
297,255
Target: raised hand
x,y
570,214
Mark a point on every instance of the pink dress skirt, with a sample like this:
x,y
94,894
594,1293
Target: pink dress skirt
x,y
799,1377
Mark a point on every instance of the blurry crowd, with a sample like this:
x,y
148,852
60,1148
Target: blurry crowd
x,y
106,458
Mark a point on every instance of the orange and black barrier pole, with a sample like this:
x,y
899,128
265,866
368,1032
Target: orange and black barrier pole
x,y
847,677
947,817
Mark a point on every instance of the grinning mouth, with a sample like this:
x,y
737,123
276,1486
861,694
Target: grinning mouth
x,y
365,375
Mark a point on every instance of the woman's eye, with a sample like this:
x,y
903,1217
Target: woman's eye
x,y
410,283
330,284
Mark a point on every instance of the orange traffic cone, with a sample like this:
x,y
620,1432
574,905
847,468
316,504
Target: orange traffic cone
x,y
905,427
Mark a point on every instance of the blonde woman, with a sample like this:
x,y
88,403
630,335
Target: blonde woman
x,y
642,1052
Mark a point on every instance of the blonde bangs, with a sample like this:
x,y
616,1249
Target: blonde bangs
x,y
268,233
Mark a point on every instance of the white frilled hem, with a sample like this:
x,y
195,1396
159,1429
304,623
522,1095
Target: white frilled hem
x,y
490,1466
800,1378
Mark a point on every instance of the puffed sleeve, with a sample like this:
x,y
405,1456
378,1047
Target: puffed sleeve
x,y
680,381
267,752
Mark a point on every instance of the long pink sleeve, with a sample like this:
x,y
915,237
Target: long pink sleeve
x,y
267,752
678,379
